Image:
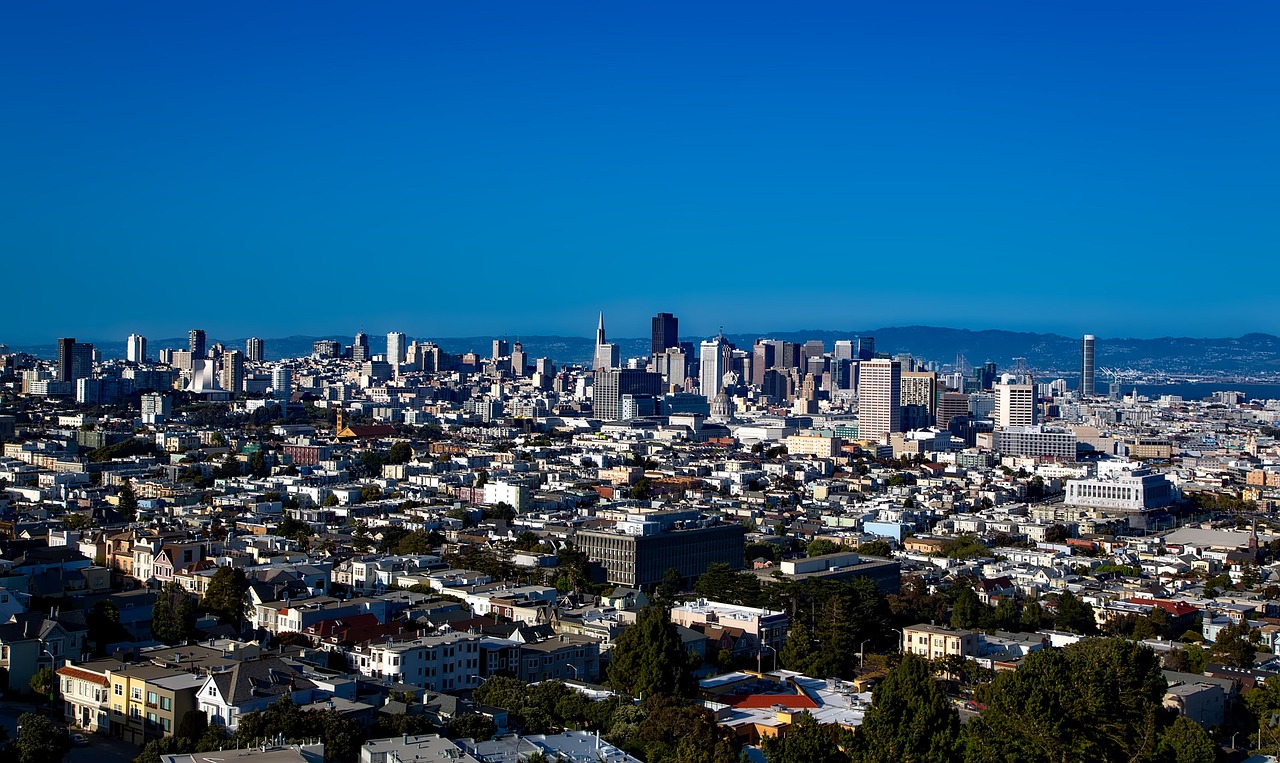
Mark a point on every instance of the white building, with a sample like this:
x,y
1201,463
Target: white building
x,y
711,356
1015,401
156,408
439,663
1119,488
281,383
396,348
135,349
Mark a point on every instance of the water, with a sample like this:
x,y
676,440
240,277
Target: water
x,y
1199,390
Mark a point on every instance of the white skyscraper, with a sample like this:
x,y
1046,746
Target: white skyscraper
x,y
395,347
253,349
135,349
712,367
606,355
879,398
1015,401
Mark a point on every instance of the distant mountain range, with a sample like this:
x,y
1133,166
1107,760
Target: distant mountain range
x,y
1248,355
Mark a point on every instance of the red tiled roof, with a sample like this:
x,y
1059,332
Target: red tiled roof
x,y
83,675
1175,608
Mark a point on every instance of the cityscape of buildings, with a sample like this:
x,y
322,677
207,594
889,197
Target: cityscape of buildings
x,y
414,524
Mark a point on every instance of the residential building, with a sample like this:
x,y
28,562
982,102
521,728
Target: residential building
x,y
253,349
135,349
934,642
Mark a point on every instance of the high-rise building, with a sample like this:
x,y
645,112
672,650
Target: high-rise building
x,y
281,383
75,360
866,347
196,344
844,350
519,361
500,349
396,347
232,376
326,348
611,384
921,388
1015,401
135,349
360,348
1086,366
879,398
606,355
253,350
952,405
666,333
763,356
712,366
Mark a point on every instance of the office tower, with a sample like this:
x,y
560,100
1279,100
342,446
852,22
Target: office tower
x,y
232,371
195,343
519,363
395,347
281,383
866,347
763,356
500,349
712,366
1015,401
906,360
135,349
665,333
545,367
813,348
952,405
1086,366
360,348
921,388
606,355
75,360
844,349
611,384
326,348
677,372
788,355
879,398
253,350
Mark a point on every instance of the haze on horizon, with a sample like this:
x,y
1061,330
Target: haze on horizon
x,y
461,170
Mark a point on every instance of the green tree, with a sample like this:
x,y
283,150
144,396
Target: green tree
x,y
967,611
39,741
258,464
401,453
821,546
910,719
472,726
805,741
875,548
667,592
226,596
42,683
104,626
1185,742
1075,615
798,652
1236,645
192,725
1098,699
128,502
173,616
835,634
649,657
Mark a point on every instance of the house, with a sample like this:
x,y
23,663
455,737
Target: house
x,y
30,641
250,686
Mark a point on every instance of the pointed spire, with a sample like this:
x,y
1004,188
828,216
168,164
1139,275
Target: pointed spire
x,y
600,330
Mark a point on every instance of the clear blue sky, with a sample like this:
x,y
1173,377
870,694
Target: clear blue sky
x,y
470,168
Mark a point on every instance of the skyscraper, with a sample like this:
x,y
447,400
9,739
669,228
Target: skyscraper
x,y
253,350
75,359
879,398
500,349
712,366
1015,401
519,361
395,347
611,384
281,383
866,347
195,343
232,377
606,355
135,349
665,333
1086,366
360,347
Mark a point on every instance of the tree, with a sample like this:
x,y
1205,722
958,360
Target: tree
x,y
401,453
104,626
967,612
798,652
192,725
875,548
173,616
225,596
471,726
40,741
805,741
42,683
910,718
667,592
127,502
75,521
1185,742
1236,645
1098,699
1075,615
822,546
649,657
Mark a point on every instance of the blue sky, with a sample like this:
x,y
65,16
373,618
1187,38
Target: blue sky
x,y
451,169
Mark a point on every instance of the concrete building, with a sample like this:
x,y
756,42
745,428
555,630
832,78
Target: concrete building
x,y
712,366
1030,441
135,349
1117,488
232,374
768,627
1086,366
450,662
879,398
396,347
253,349
638,552
921,388
933,642
1015,401
612,384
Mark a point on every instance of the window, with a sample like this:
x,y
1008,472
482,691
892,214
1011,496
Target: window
x,y
165,724
151,718
151,698
135,692
166,703
135,712
119,689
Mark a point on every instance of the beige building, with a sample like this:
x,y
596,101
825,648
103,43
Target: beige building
x,y
813,445
933,642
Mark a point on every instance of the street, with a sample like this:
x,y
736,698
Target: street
x,y
101,748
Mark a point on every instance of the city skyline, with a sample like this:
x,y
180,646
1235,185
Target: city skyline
x,y
1033,157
